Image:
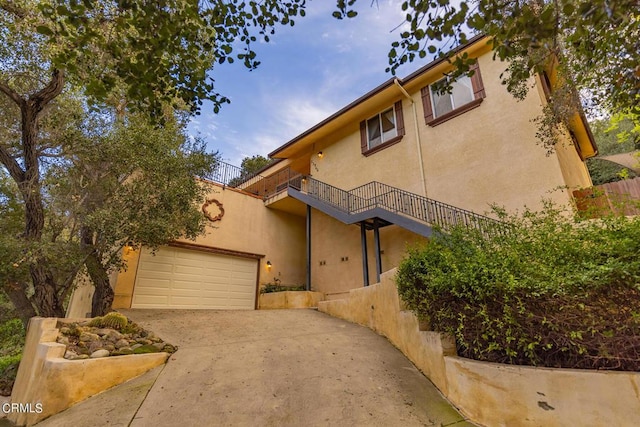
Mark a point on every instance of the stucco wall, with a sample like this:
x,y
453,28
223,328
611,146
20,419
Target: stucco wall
x,y
486,155
246,226
492,394
46,379
339,247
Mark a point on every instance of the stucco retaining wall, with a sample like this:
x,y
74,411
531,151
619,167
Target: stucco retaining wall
x,y
289,299
493,394
46,378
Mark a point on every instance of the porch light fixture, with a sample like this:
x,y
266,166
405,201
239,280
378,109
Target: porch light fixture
x,y
320,154
269,265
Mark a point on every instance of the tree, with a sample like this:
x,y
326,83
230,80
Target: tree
x,y
136,55
614,135
596,44
130,184
249,167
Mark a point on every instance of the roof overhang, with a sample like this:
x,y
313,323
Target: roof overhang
x,y
369,104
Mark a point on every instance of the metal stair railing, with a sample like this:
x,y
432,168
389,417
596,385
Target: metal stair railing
x,y
378,195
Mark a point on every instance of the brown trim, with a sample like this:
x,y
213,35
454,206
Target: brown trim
x,y
476,81
478,95
455,112
213,250
382,87
255,305
399,118
364,146
382,146
426,104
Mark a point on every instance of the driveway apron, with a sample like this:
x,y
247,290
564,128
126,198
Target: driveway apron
x,y
283,368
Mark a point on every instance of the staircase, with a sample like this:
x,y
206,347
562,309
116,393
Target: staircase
x,y
384,205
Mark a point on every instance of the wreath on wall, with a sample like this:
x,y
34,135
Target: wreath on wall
x,y
209,215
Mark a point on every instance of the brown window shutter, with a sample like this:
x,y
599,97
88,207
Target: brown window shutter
x,y
399,118
476,82
426,104
363,136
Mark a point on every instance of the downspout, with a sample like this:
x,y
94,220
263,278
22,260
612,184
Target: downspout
x,y
417,131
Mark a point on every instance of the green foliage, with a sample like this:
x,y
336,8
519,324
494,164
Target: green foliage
x,y
113,320
549,292
615,135
12,336
250,167
159,52
595,43
603,171
276,286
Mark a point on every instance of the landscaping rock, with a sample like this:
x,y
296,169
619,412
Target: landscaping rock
x,y
99,353
87,336
84,341
122,343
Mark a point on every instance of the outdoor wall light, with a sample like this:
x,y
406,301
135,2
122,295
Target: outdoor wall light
x,y
269,265
320,154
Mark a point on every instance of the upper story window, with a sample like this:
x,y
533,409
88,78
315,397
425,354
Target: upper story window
x,y
382,130
466,93
461,93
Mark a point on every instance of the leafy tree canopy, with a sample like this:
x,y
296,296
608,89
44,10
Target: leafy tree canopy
x,y
596,43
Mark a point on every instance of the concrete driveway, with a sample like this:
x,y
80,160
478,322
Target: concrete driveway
x,y
268,368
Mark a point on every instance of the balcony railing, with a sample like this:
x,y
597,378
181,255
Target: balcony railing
x,y
392,199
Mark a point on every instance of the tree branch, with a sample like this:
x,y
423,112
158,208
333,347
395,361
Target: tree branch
x,y
41,98
16,172
12,94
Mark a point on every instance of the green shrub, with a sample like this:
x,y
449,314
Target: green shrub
x,y
550,291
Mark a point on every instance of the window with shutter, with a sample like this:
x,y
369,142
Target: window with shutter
x,y
382,130
465,93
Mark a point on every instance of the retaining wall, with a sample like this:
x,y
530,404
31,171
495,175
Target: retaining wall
x,y
492,394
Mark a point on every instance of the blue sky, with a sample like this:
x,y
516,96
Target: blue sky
x,y
307,73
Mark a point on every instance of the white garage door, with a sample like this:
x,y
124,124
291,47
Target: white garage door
x,y
183,278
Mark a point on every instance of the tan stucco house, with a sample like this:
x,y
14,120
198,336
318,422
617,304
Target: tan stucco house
x,y
342,200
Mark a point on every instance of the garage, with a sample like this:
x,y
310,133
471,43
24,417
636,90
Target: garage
x,y
185,278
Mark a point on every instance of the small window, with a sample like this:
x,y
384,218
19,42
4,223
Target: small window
x,y
460,93
382,130
465,94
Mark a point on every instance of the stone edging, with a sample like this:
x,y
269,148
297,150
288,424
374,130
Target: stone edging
x,y
47,383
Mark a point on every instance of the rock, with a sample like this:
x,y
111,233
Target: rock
x,y
121,343
109,346
88,336
63,340
70,354
99,353
95,345
158,345
102,331
65,330
135,346
114,336
143,341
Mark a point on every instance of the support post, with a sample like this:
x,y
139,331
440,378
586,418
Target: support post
x,y
376,241
308,283
365,262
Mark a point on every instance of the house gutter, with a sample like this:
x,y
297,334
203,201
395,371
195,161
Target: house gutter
x,y
418,142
